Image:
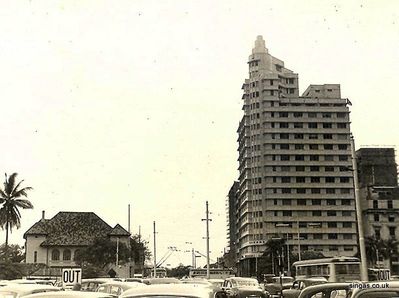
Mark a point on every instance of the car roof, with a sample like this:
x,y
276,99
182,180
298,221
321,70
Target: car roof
x,y
70,294
187,290
124,284
164,280
320,287
26,287
242,279
102,280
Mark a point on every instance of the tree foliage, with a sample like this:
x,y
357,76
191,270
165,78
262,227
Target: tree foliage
x,y
14,253
103,252
377,249
179,271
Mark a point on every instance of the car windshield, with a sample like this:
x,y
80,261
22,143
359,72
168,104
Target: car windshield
x,y
8,295
246,283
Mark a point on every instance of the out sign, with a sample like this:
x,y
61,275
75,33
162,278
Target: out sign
x,y
71,276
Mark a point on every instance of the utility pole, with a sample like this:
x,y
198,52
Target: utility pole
x,y
207,240
128,218
193,257
299,242
359,215
117,252
155,253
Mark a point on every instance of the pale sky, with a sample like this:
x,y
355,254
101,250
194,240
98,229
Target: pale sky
x,y
106,103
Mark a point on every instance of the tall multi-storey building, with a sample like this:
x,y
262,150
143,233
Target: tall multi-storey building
x,y
231,203
379,195
377,167
294,164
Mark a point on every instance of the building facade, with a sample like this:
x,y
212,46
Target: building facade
x,y
294,165
379,194
54,242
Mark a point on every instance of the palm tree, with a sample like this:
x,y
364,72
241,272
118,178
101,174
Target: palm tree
x,y
389,249
11,200
274,249
373,246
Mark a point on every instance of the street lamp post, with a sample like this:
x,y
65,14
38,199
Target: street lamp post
x,y
363,257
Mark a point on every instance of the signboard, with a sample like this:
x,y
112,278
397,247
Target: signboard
x,y
71,276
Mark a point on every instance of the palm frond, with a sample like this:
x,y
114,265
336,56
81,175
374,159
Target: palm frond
x,y
10,183
3,195
21,192
25,204
16,187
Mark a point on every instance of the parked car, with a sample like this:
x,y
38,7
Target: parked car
x,y
238,287
300,284
174,291
134,279
116,288
91,284
164,280
22,290
327,290
275,284
388,289
70,294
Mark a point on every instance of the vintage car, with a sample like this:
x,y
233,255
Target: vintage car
x,y
22,290
275,284
174,291
327,290
300,284
238,287
91,284
388,289
70,294
116,288
164,280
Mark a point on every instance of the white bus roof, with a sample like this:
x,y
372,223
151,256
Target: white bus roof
x,y
327,260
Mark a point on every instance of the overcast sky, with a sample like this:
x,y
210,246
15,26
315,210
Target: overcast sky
x,y
106,103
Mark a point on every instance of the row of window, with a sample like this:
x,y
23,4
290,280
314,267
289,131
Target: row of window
x,y
377,217
299,169
258,180
66,255
309,114
258,191
315,213
309,146
257,105
314,202
389,204
311,125
310,136
301,157
257,147
327,179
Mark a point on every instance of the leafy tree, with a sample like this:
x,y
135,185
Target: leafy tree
x,y
9,271
11,200
179,271
274,250
389,249
13,253
103,252
139,248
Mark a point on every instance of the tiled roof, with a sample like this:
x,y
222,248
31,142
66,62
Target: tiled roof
x,y
119,231
73,229
38,228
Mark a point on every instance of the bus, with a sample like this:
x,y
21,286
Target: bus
x,y
214,273
337,269
149,272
